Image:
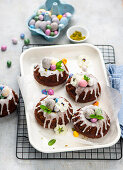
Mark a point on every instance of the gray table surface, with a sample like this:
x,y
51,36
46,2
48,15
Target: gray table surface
x,y
103,18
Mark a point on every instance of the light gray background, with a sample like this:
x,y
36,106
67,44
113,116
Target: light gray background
x,y
103,18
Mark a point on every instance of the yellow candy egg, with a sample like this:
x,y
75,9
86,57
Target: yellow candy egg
x,y
59,16
75,134
5,91
53,62
64,60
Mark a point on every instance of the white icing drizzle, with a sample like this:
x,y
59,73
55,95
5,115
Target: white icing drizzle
x,y
48,73
6,100
99,124
94,88
55,115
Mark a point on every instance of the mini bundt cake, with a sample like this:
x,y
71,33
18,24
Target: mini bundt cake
x,y
8,100
51,111
51,72
83,87
91,121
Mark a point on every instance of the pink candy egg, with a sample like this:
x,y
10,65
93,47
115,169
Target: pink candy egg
x,y
14,41
47,32
64,15
53,67
55,32
82,83
41,17
93,120
3,48
50,92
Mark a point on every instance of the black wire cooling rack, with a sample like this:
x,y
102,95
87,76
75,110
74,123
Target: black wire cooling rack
x,y
24,150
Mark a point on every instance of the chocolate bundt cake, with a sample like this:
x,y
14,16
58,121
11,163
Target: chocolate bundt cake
x,y
8,100
51,72
83,87
91,121
51,111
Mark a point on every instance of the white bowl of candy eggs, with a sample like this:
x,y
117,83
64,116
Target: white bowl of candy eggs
x,y
77,34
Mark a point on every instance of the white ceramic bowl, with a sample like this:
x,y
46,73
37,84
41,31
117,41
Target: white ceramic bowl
x,y
83,30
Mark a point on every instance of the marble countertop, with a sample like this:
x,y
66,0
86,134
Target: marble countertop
x,y
104,20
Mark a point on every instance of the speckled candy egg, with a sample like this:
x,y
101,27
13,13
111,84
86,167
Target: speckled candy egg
x,y
41,17
50,92
38,24
47,32
64,21
5,92
55,19
82,83
43,26
54,26
46,62
32,22
53,16
94,120
48,22
50,103
53,67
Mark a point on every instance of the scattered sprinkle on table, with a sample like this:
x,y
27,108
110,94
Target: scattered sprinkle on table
x,y
26,41
22,36
77,35
14,41
9,63
3,48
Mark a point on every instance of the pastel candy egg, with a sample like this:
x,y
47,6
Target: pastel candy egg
x,y
64,15
47,32
91,82
56,100
53,16
50,103
59,16
5,92
3,48
1,88
52,34
82,83
44,92
32,22
46,62
93,120
48,22
37,24
41,17
14,41
48,27
53,62
64,21
43,25
50,92
32,26
53,67
56,109
68,14
55,32
55,19
22,36
54,26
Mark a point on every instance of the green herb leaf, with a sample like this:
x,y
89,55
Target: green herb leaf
x,y
2,97
58,66
45,109
99,117
51,142
86,78
60,130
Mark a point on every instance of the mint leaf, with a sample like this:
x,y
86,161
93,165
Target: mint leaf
x,y
45,109
61,130
99,117
86,78
51,142
58,66
59,69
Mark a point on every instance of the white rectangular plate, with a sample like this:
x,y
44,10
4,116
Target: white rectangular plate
x,y
38,136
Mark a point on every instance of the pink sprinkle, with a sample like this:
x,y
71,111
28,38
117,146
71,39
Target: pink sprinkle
x,y
82,83
50,92
3,48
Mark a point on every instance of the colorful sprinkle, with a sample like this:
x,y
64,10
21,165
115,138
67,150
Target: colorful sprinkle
x,y
44,91
50,91
75,134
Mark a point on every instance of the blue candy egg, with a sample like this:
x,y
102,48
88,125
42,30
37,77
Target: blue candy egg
x,y
64,21
43,13
1,88
32,26
56,100
22,36
70,75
